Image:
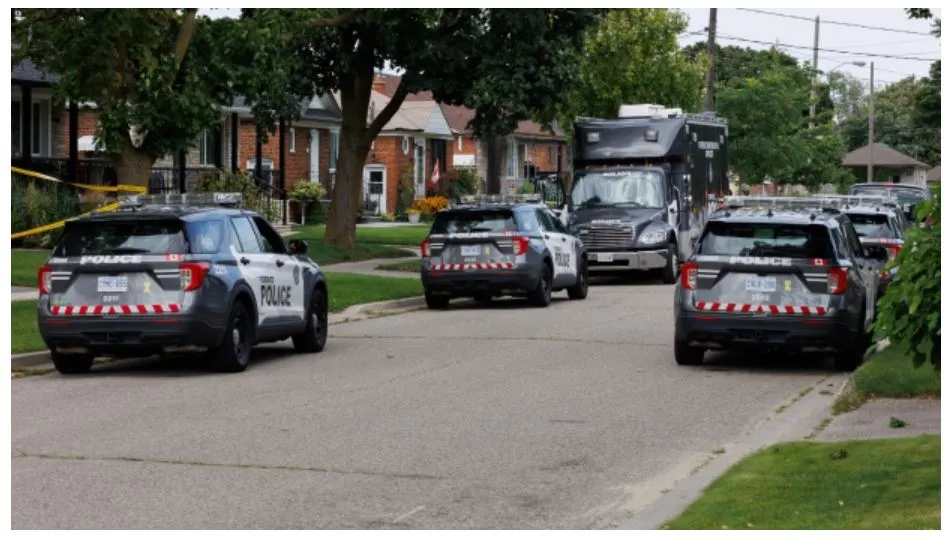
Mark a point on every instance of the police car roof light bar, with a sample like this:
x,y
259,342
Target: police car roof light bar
x,y
736,202
859,199
199,199
501,198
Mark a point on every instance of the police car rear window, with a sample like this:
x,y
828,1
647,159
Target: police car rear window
x,y
770,240
473,222
165,236
872,225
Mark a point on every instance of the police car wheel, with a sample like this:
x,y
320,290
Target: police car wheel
x,y
436,302
541,296
314,337
233,353
850,359
581,288
483,298
669,272
72,364
684,354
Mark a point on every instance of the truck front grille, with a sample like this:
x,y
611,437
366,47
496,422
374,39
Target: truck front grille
x,y
607,238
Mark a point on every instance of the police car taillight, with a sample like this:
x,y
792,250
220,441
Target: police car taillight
x,y
838,280
192,275
520,245
426,248
44,279
893,251
689,275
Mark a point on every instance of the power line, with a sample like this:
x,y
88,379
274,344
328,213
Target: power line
x,y
837,23
836,51
889,43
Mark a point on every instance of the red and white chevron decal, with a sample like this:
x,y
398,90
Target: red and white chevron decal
x,y
729,307
115,309
471,266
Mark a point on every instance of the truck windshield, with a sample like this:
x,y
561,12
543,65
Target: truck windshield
x,y
636,188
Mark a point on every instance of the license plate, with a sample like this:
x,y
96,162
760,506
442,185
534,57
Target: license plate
x,y
761,285
113,284
469,251
604,258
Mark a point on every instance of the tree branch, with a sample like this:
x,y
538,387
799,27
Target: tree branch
x,y
183,41
338,19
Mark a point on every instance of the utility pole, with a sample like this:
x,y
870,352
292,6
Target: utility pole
x,y
709,100
871,122
815,73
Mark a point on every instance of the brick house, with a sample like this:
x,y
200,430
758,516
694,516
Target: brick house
x,y
529,149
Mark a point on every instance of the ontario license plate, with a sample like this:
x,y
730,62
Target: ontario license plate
x,y
470,251
113,284
755,284
604,258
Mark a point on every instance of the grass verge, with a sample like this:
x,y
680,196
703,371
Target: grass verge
x,y
404,266
889,484
344,290
328,255
889,374
24,264
400,235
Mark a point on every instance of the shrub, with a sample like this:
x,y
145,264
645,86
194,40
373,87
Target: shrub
x,y
307,191
526,188
909,312
254,197
36,203
405,190
431,204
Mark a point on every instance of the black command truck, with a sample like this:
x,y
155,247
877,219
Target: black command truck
x,y
643,186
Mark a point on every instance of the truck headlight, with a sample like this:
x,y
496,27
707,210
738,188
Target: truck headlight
x,y
654,237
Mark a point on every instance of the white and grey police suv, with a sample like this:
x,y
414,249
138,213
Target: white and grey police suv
x,y
501,246
776,273
178,273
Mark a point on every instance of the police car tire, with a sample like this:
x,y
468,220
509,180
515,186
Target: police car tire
x,y
581,288
313,338
225,358
436,302
541,295
850,359
684,354
669,272
72,364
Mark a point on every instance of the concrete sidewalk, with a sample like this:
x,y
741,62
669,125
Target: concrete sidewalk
x,y
874,420
369,267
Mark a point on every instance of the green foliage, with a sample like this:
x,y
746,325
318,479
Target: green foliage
x,y
307,191
467,183
909,312
926,115
254,198
405,190
526,188
37,203
632,56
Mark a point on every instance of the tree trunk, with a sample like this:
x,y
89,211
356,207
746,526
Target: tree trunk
x,y
133,166
494,165
347,192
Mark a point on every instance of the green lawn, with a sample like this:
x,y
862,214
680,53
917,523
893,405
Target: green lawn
x,y
404,266
410,235
889,374
24,264
344,290
890,484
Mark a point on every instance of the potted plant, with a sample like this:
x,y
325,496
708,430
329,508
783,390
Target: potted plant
x,y
414,215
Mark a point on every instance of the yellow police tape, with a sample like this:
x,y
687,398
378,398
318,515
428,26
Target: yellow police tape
x,y
95,188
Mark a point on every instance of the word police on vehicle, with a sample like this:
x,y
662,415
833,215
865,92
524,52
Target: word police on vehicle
x,y
275,295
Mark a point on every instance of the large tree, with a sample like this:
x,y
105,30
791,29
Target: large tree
x,y
508,65
632,56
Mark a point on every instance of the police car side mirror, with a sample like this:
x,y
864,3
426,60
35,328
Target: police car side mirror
x,y
298,247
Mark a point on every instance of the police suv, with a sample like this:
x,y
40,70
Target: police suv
x,y
493,246
178,273
774,273
880,225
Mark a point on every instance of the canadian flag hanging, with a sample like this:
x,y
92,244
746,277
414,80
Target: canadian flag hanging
x,y
436,173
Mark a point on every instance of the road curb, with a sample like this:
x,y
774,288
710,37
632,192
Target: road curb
x,y
30,359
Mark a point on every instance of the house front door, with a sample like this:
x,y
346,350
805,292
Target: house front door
x,y
374,186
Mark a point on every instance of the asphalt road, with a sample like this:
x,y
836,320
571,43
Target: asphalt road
x,y
504,417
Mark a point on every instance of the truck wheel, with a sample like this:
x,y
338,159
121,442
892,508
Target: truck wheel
x,y
436,302
581,288
314,337
233,353
541,296
71,364
684,354
669,272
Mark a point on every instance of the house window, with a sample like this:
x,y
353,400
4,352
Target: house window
x,y
333,150
292,140
37,131
405,145
208,148
460,143
17,132
511,167
552,156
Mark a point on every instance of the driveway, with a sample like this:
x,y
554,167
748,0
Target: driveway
x,y
497,417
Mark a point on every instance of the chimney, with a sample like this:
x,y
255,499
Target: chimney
x,y
378,84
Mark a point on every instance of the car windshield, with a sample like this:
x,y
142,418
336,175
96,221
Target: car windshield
x,y
874,226
473,222
639,188
122,237
766,240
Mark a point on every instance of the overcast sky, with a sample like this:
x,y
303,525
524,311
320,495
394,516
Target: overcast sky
x,y
847,43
